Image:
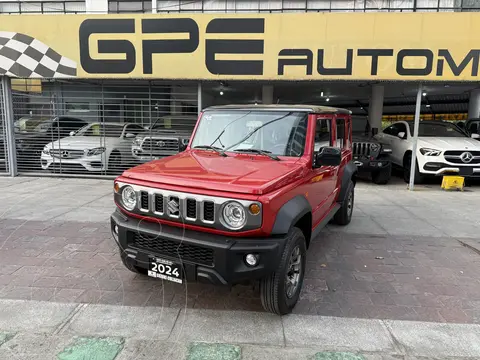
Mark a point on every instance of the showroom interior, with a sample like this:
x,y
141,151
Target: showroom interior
x,y
114,110
144,102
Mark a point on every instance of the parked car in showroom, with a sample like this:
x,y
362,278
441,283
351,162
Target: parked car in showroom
x,y
241,203
31,140
167,136
96,147
443,148
369,154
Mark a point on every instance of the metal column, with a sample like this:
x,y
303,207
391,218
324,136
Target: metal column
x,y
199,98
9,126
413,165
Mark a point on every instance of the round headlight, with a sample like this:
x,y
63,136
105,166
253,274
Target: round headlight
x,y
234,215
129,198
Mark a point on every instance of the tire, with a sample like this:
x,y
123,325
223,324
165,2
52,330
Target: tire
x,y
129,266
344,214
382,177
276,297
114,163
418,178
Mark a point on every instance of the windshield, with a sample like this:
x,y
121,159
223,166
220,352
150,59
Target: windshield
x,y
101,130
426,129
44,125
279,132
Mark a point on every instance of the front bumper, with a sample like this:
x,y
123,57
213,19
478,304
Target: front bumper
x,y
440,169
205,257
367,165
91,163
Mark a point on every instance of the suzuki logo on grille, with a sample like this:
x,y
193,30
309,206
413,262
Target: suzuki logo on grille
x,y
173,206
161,143
64,154
466,157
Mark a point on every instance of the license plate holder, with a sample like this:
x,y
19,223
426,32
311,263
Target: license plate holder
x,y
465,171
165,269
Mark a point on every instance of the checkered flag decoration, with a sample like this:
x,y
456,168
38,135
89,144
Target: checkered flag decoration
x,y
25,57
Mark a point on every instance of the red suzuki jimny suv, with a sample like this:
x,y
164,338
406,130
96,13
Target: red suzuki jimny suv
x,y
242,202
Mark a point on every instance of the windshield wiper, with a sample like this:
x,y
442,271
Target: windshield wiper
x,y
218,150
254,131
259,151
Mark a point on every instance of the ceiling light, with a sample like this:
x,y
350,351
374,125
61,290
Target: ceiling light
x,y
221,92
256,103
328,99
428,105
321,94
424,94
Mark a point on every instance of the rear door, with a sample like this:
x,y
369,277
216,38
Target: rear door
x,y
323,180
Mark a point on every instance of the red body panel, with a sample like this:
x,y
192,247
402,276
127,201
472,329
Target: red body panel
x,y
250,177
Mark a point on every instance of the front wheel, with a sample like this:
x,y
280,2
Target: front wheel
x,y
344,214
417,178
280,291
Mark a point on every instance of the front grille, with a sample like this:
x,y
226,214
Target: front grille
x,y
362,149
183,251
144,200
454,156
160,146
208,211
191,208
67,154
159,203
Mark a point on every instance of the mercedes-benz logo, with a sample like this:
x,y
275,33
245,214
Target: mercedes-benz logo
x,y
466,157
64,154
161,143
173,206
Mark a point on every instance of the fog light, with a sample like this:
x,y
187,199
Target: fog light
x,y
379,164
251,259
115,232
116,229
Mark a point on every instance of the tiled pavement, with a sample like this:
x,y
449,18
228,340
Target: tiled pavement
x,y
406,256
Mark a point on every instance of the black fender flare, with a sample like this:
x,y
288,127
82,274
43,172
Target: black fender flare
x,y
349,173
290,212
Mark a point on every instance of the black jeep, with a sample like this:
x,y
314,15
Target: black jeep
x,y
368,154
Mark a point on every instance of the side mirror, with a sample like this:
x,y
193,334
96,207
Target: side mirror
x,y
328,156
475,136
401,135
71,133
129,136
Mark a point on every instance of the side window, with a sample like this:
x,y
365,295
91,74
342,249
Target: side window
x,y
401,128
473,127
323,130
133,129
390,130
341,133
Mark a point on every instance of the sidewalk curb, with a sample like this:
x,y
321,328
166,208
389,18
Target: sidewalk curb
x,y
150,324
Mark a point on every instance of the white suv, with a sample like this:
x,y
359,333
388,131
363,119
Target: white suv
x,y
442,148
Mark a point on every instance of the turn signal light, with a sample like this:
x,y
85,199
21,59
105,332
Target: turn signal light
x,y
254,209
116,187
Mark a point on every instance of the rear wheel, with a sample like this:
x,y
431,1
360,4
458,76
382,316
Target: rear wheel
x,y
407,164
344,214
280,291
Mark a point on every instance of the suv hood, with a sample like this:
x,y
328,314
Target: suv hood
x,y
357,137
239,173
80,142
449,143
